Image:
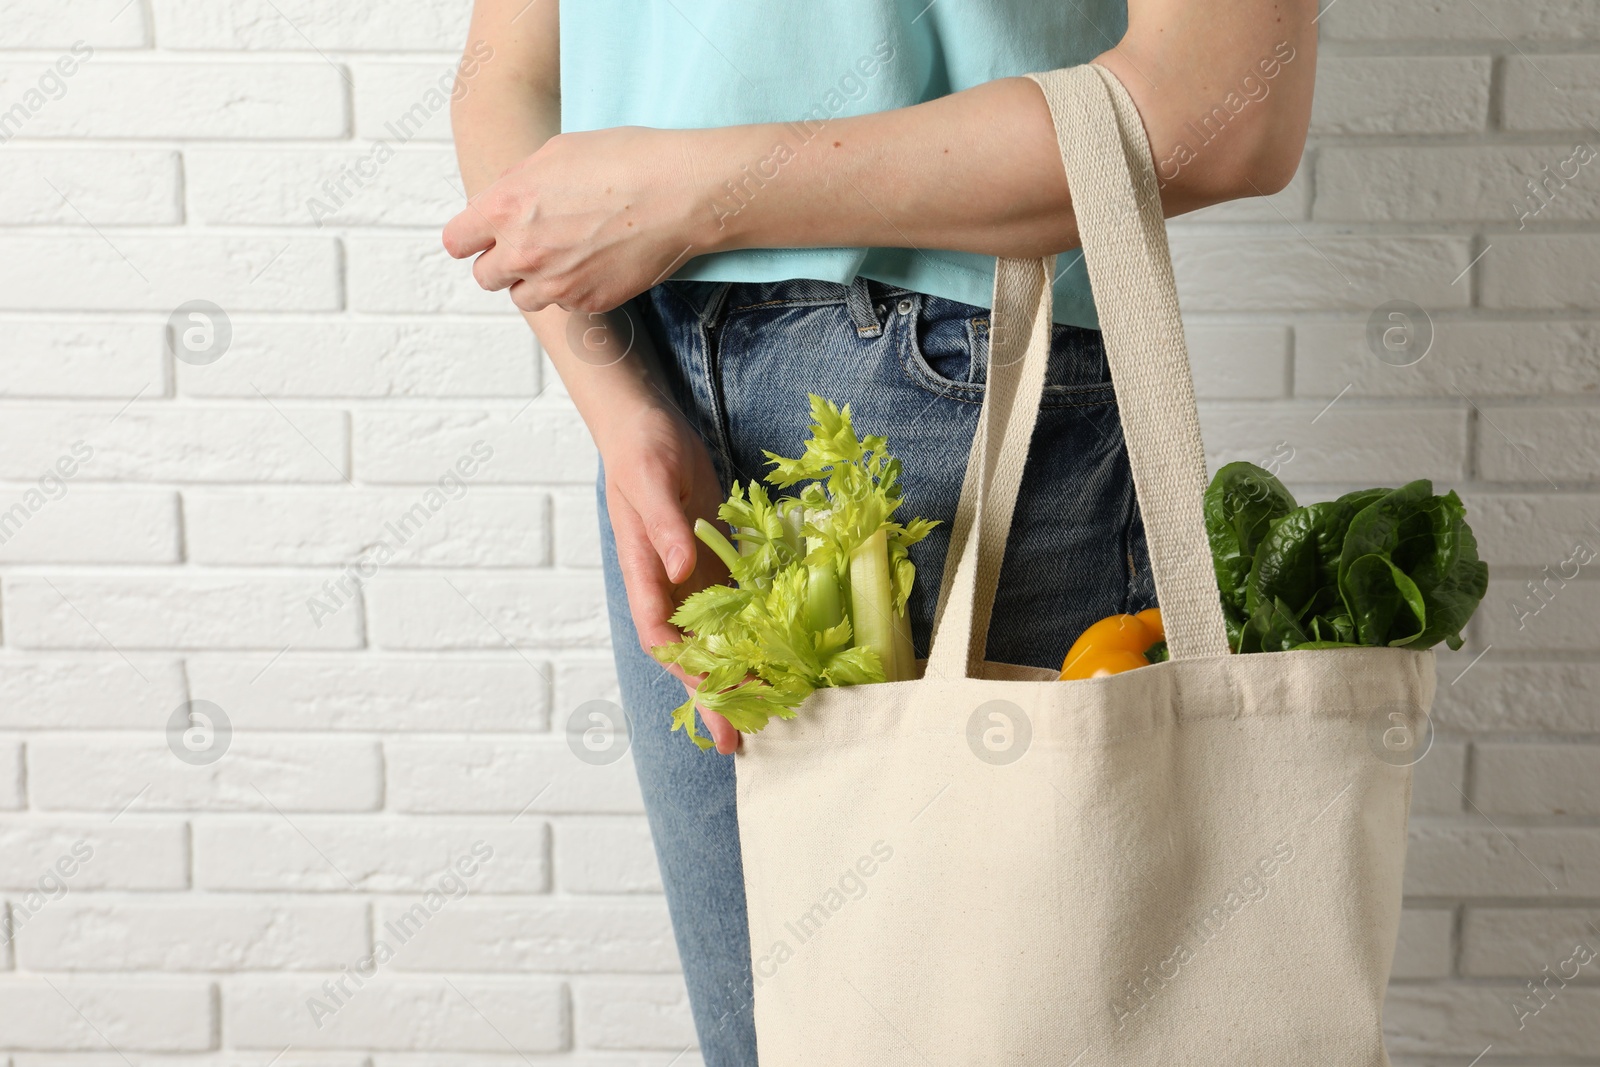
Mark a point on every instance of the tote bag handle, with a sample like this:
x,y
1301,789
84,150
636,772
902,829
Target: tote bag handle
x,y
1124,235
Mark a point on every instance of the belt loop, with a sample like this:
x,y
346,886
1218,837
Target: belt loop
x,y
859,300
715,305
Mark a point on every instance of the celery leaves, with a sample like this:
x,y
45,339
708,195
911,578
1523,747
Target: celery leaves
x,y
795,621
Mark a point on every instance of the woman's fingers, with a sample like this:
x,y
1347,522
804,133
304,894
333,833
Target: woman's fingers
x,y
651,603
649,589
658,499
492,272
656,482
469,233
524,297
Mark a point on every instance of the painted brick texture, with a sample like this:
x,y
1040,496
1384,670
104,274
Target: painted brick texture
x,y
397,771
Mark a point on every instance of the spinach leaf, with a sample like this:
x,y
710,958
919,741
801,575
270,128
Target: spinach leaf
x,y
1297,562
1240,504
1338,628
1387,607
1272,627
1451,577
1413,550
1359,500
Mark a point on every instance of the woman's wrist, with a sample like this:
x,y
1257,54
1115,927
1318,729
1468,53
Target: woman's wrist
x,y
616,424
734,170
609,370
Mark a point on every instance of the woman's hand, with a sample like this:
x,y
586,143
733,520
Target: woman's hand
x,y
587,221
659,480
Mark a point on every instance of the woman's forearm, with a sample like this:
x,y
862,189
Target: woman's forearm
x,y
594,218
1224,90
505,115
977,170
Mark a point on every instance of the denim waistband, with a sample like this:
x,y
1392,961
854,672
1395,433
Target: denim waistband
x,y
711,301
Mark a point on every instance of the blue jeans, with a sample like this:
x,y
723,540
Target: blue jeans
x,y
740,359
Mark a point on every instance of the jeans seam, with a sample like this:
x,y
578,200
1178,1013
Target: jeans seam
x,y
718,403
707,417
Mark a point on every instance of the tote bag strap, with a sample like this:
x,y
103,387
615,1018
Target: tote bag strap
x,y
1124,235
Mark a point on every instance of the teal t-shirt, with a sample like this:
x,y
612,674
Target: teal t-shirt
x,y
684,64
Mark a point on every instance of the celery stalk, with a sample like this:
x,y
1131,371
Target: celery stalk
x,y
717,542
824,604
872,602
793,520
905,652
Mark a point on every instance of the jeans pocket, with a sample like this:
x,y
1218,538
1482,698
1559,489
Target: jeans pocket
x,y
941,349
945,350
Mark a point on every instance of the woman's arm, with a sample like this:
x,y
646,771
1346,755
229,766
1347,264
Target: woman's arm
x,y
659,476
506,106
1224,87
979,170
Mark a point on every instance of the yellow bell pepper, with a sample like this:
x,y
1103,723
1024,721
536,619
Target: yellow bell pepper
x,y
1113,645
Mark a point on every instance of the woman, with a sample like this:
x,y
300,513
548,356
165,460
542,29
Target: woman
x,y
779,199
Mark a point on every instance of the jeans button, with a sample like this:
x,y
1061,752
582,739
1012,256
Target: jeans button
x,y
881,309
904,307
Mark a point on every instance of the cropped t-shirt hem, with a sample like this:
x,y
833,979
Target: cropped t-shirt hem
x,y
923,272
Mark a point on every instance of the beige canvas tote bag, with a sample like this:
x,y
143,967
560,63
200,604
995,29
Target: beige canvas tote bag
x,y
1193,863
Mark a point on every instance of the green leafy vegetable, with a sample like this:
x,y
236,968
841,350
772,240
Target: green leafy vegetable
x,y
1432,560
822,580
1295,574
1240,505
1386,604
1390,567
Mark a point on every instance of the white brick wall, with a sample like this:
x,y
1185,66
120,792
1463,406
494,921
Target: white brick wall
x,y
378,756
1428,124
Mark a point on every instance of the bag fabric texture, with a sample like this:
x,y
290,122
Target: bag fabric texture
x,y
1194,863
